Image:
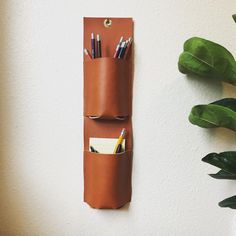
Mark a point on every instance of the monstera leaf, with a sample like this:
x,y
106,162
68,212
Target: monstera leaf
x,y
207,59
229,202
221,113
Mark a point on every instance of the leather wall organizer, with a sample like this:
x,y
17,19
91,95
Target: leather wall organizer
x,y
108,83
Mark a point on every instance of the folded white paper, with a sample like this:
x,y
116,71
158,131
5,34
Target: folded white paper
x,y
105,145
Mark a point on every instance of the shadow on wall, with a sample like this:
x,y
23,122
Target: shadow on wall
x,y
12,212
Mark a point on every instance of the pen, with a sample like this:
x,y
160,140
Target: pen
x,y
93,46
93,150
99,49
118,48
120,140
119,149
87,53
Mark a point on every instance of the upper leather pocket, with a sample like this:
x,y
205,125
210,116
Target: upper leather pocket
x,y
107,88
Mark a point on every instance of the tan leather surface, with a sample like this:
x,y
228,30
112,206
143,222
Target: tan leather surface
x,y
107,129
108,179
108,94
109,36
107,88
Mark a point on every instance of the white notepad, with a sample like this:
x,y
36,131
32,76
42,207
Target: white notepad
x,y
105,145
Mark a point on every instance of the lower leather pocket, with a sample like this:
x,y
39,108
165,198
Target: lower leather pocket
x,y
107,179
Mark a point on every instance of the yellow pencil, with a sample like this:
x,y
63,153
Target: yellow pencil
x,y
120,140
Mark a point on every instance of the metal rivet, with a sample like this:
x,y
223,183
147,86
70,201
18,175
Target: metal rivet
x,y
107,23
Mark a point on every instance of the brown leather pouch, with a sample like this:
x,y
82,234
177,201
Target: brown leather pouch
x,y
107,92
107,179
107,110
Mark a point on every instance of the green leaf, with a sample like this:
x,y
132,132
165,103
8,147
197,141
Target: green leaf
x,y
207,59
229,202
224,160
221,113
234,17
223,175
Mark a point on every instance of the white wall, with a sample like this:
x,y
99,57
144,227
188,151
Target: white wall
x,y
41,178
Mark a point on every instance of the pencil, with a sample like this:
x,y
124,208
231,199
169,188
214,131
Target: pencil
x,y
120,140
99,49
128,47
118,48
122,47
87,53
93,46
